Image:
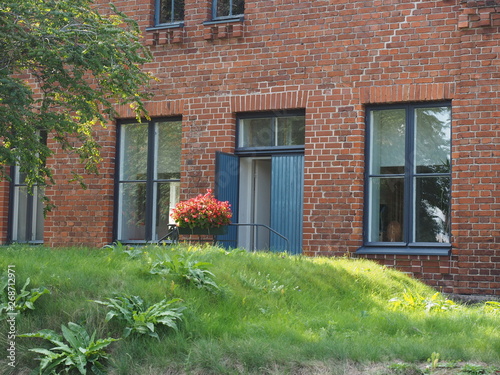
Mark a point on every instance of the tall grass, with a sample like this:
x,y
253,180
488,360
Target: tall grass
x,y
272,312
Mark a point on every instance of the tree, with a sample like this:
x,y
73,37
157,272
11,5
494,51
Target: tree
x,y
64,66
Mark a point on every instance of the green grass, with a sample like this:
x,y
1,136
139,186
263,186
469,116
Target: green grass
x,y
273,314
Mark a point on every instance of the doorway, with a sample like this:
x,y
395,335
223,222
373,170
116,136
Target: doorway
x,y
255,202
266,190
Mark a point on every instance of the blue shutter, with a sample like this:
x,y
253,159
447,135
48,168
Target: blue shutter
x,y
227,177
287,190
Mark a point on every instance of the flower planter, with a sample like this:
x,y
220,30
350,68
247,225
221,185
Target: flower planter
x,y
204,231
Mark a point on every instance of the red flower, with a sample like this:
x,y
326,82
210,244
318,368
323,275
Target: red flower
x,y
203,211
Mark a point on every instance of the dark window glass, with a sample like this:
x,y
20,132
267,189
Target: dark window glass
x,y
169,11
228,8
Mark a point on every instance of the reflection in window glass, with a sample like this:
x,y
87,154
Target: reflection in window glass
x,y
268,132
386,210
388,141
170,11
433,136
228,8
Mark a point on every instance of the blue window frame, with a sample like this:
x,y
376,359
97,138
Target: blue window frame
x,y
227,9
408,179
169,12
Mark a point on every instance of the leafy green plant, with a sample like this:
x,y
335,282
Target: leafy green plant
x,y
141,318
191,271
18,300
414,301
81,352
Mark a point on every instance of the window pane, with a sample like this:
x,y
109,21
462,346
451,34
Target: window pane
x,y
388,141
256,132
21,214
168,150
386,210
166,198
432,198
28,214
238,7
433,135
291,131
166,13
223,7
38,219
134,151
132,218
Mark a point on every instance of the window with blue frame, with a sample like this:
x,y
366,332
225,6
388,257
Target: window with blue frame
x,y
408,179
148,179
227,9
169,12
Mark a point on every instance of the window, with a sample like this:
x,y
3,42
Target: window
x,y
227,9
276,131
148,175
26,224
408,179
169,12
26,207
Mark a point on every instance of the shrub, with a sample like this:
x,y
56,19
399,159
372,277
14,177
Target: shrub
x,y
191,271
80,352
17,301
141,318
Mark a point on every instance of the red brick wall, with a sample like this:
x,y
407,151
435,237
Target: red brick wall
x,y
330,59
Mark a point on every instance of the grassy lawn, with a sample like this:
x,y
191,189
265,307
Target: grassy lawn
x,y
252,313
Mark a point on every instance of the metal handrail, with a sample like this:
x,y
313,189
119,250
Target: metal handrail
x,y
266,227
173,232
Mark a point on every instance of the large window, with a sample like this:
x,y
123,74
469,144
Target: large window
x,y
147,179
227,9
408,179
26,219
169,12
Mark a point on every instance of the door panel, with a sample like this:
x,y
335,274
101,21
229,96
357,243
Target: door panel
x,y
287,190
226,189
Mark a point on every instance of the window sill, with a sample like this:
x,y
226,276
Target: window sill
x,y
406,250
173,25
172,33
223,28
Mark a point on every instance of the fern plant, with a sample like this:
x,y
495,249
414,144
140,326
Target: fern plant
x,y
141,318
191,271
75,351
23,299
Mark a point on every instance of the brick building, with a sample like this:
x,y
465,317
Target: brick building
x,y
363,128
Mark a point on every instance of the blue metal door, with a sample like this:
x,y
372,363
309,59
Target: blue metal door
x,y
227,170
287,191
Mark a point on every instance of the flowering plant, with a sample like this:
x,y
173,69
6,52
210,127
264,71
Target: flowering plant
x,y
203,211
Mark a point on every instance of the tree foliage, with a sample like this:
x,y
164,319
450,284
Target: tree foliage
x,y
64,66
